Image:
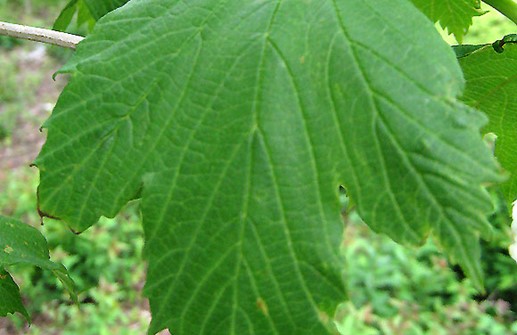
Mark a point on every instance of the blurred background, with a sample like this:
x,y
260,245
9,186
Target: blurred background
x,y
392,289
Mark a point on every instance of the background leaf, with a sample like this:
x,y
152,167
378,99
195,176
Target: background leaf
x,y
453,15
239,121
21,243
492,87
11,301
99,8
65,17
87,11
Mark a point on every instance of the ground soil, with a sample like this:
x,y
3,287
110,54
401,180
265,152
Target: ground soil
x,y
26,139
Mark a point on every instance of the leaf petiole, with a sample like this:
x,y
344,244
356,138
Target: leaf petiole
x,y
40,35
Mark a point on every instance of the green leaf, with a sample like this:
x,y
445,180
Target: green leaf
x,y
11,301
239,120
453,15
99,8
464,50
88,11
65,17
84,16
491,87
21,243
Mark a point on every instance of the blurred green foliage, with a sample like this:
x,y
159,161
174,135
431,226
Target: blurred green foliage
x,y
36,12
395,290
104,261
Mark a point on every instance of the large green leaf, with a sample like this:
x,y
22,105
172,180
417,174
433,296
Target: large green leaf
x,y
11,301
492,87
237,121
453,15
23,244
